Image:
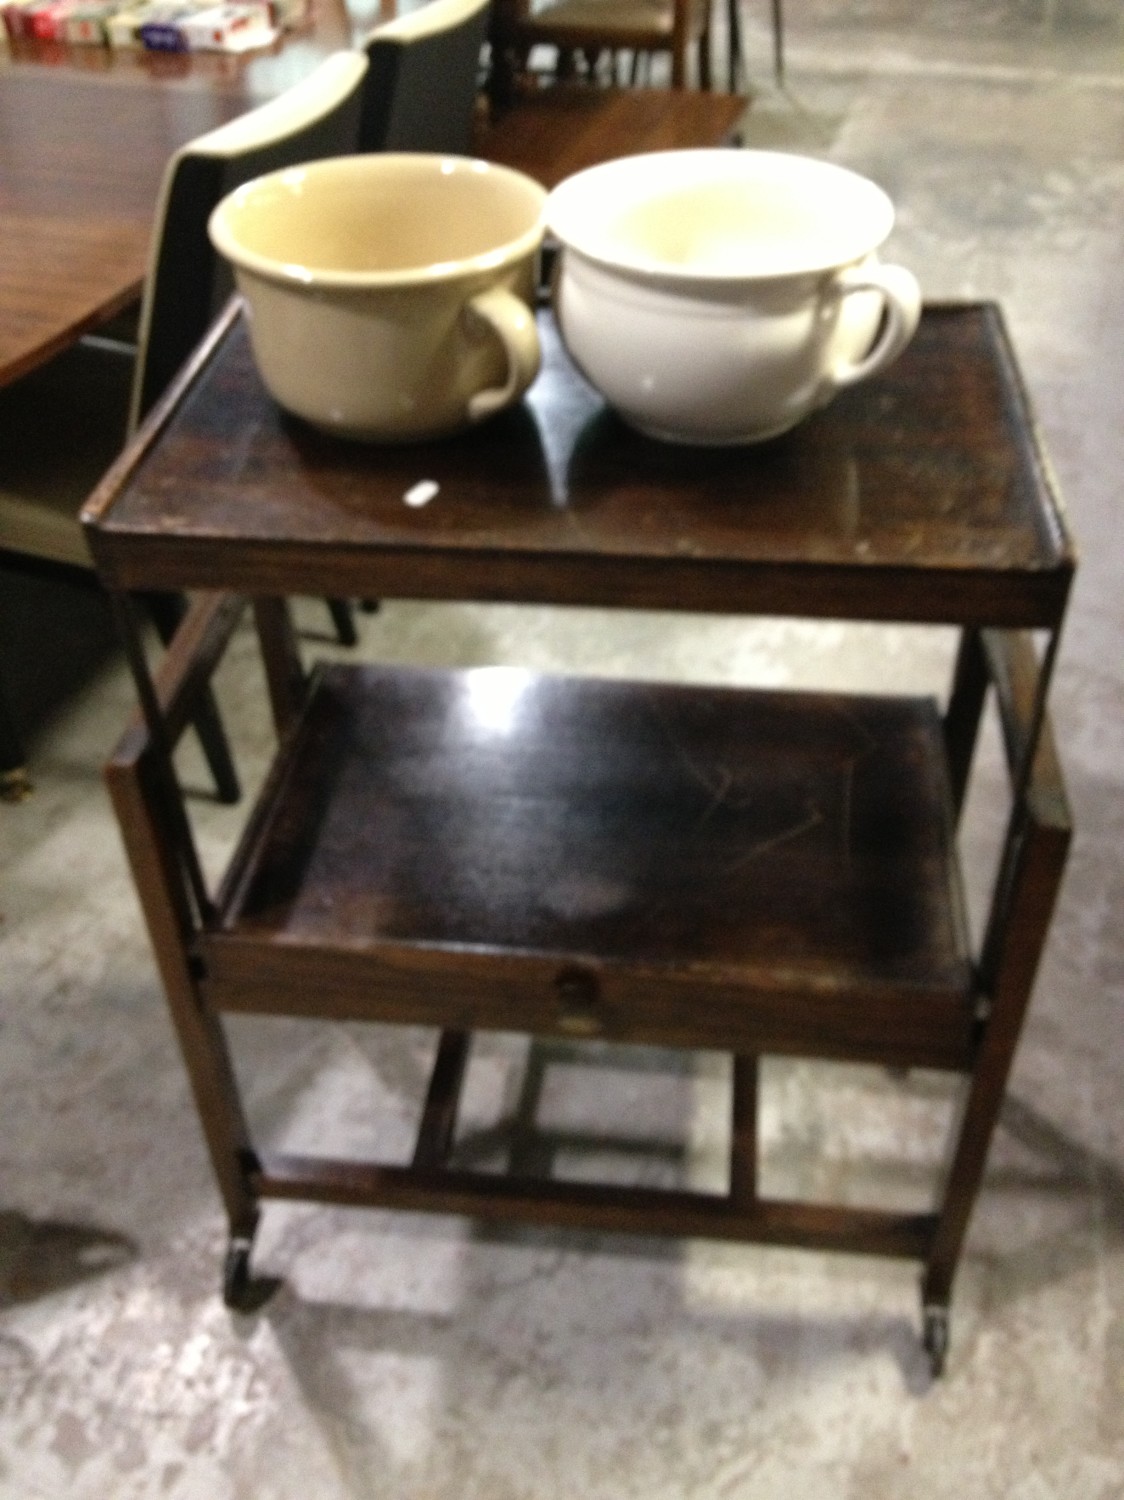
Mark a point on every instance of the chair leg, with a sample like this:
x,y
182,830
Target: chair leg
x,y
778,40
14,783
706,82
344,621
735,61
167,610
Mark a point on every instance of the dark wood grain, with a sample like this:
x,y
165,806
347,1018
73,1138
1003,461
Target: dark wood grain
x,y
919,495
964,712
439,1113
744,1135
762,870
135,777
589,1205
1037,857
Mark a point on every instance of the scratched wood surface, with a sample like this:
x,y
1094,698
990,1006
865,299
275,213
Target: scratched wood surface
x,y
680,846
918,495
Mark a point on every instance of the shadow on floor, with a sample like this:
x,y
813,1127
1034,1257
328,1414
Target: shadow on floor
x,y
54,635
38,1257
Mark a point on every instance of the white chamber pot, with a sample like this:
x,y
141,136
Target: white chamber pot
x,y
720,296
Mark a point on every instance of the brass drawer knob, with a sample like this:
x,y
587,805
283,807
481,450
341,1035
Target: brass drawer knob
x,y
579,1002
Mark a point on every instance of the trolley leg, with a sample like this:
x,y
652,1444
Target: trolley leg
x,y
15,784
240,1291
935,1335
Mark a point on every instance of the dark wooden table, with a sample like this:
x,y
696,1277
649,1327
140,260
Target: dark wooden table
x,y
756,872
85,135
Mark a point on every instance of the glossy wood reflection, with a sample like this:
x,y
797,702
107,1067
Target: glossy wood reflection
x,y
706,842
917,495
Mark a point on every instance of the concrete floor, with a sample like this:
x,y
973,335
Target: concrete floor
x,y
415,1357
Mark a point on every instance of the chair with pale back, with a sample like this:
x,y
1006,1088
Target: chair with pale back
x,y
188,281
424,77
61,426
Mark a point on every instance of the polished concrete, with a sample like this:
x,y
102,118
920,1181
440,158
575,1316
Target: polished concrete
x,y
415,1357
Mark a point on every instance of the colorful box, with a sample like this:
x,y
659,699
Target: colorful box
x,y
86,23
232,27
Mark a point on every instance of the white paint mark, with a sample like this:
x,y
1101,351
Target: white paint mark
x,y
421,493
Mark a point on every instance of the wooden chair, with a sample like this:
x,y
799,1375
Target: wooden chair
x,y
423,78
738,70
61,427
594,29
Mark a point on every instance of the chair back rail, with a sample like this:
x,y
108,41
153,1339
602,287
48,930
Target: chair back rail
x,y
188,281
423,78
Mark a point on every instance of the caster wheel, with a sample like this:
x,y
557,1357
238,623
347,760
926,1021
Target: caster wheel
x,y
935,1338
236,1276
15,785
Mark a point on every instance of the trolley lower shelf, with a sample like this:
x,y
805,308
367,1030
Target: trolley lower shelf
x,y
681,866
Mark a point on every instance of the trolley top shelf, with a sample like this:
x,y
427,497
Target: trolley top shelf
x,y
919,495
